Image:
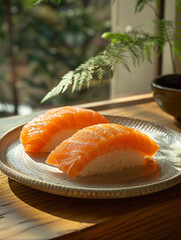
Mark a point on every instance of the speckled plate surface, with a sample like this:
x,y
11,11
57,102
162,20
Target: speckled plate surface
x,y
32,171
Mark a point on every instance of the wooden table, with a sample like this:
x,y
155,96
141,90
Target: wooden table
x,y
27,213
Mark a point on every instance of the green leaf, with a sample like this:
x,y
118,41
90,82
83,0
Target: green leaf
x,y
178,5
33,3
140,4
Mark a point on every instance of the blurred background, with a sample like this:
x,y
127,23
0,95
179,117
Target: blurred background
x,y
39,45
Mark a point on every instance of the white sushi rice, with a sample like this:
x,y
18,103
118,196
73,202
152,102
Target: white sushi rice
x,y
57,138
113,162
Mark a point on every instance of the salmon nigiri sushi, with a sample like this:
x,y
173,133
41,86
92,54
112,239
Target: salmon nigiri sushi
x,y
102,148
48,130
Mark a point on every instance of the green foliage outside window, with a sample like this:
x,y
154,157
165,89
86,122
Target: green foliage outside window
x,y
48,41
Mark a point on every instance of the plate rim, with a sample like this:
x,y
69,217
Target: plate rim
x,y
82,192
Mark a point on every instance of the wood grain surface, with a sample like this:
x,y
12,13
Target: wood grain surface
x,y
26,213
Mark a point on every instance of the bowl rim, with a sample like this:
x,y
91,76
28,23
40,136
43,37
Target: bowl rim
x,y
154,84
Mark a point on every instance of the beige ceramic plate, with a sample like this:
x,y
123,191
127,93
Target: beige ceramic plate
x,y
32,171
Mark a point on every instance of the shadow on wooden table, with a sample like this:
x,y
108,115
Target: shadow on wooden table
x,y
178,124
91,210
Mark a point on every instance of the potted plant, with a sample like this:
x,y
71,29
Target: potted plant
x,y
138,46
167,88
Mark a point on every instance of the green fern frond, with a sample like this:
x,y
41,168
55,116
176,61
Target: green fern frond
x,y
134,46
82,80
75,82
77,78
140,4
100,74
165,28
61,87
147,51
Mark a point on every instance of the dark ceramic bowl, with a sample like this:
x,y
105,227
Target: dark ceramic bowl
x,y
167,94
